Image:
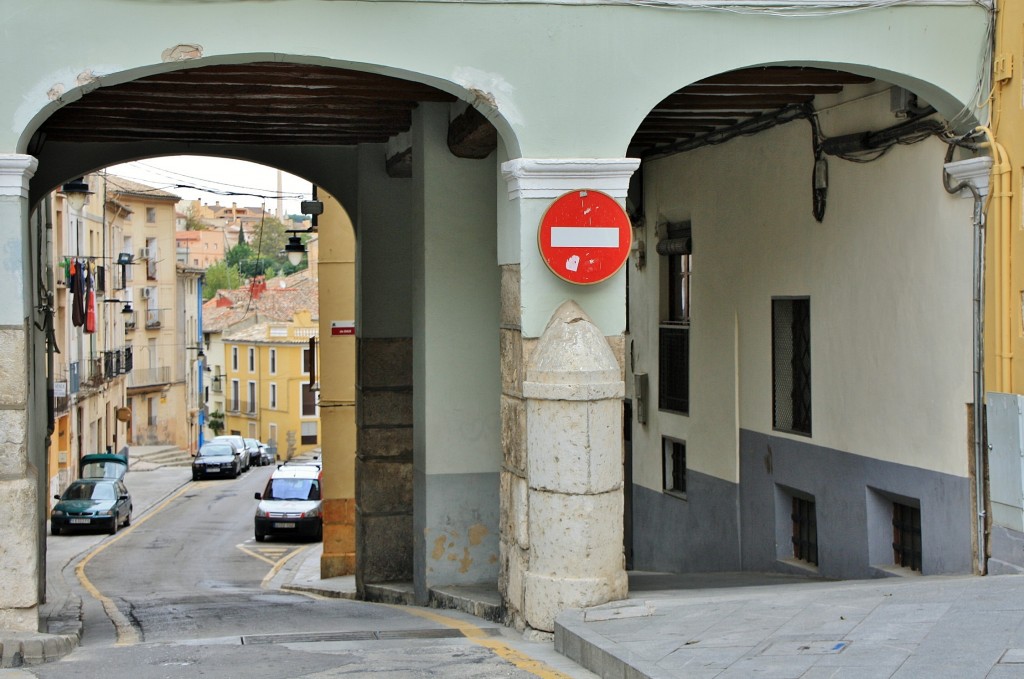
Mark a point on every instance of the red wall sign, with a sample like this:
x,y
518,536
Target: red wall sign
x,y
585,237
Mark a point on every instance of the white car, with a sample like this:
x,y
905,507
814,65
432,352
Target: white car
x,y
290,504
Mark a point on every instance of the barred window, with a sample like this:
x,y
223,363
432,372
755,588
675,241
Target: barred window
x,y
791,365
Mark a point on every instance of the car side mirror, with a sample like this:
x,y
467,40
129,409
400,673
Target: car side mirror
x,y
124,497
56,497
258,496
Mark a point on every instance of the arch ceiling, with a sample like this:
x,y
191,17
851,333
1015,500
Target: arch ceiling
x,y
274,103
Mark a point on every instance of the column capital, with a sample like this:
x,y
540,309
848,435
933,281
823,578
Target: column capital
x,y
16,169
551,177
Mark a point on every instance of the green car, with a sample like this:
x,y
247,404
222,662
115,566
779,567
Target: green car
x,y
97,500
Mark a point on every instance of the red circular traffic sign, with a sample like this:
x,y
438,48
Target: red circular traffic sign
x,y
585,237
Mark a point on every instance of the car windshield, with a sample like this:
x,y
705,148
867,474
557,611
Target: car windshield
x,y
292,489
104,470
89,491
212,451
252,443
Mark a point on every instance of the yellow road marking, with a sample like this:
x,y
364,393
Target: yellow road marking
x,y
478,636
280,564
254,554
126,633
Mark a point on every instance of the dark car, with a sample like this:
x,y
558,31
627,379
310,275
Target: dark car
x,y
218,459
253,446
97,500
239,443
266,457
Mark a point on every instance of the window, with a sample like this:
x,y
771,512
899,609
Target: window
x,y
674,467
906,536
308,401
151,215
674,333
251,409
234,358
273,361
791,365
805,530
308,433
273,396
305,361
252,360
233,406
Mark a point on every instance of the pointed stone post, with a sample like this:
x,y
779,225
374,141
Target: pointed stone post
x,y
573,391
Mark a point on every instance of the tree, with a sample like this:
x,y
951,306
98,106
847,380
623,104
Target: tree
x,y
220,276
216,422
192,220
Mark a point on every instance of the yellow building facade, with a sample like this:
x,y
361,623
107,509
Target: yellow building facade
x,y
267,390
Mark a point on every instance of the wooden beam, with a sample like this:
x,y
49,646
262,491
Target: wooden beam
x,y
471,135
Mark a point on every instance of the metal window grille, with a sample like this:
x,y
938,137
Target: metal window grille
x,y
906,536
128,360
805,531
675,466
674,369
791,365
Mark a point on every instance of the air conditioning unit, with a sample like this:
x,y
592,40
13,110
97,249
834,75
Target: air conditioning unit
x,y
143,253
148,293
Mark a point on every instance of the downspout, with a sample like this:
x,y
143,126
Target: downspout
x,y
978,225
1000,218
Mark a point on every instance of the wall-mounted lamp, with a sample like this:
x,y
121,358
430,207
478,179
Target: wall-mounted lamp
x,y
126,309
76,192
201,355
124,258
294,249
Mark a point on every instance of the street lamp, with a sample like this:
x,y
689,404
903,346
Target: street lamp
x,y
294,249
126,309
76,192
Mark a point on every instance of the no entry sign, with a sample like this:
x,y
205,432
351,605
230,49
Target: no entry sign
x,y
585,237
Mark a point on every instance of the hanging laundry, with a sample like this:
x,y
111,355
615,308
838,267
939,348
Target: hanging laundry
x,y
77,284
90,303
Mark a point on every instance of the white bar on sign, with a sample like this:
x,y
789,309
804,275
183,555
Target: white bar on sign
x,y
584,237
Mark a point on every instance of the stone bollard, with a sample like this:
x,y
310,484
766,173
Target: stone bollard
x,y
573,391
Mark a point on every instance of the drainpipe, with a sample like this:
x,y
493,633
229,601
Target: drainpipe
x,y
999,214
969,173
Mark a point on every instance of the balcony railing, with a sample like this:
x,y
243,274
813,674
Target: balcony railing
x,y
144,377
154,318
241,407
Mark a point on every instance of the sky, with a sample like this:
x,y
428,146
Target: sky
x,y
218,179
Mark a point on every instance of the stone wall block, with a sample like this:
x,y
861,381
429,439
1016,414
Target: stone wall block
x,y
516,571
384,486
384,549
511,356
513,512
19,559
384,408
385,362
13,451
513,433
511,296
575,446
396,441
13,378
579,535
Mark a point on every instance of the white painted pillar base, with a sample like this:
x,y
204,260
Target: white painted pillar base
x,y
20,561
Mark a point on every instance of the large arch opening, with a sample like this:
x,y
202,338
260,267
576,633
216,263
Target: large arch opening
x,y
784,214
391,154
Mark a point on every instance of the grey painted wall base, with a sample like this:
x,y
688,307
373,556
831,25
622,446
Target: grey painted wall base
x,y
456,530
853,498
696,534
1007,551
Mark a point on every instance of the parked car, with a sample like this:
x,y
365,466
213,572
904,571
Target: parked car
x,y
290,504
97,500
239,443
218,459
266,457
253,446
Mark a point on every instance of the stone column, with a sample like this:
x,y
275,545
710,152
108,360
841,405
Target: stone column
x,y
561,407
384,389
20,560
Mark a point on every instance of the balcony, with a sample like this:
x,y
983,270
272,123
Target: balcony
x,y
154,318
247,408
146,377
129,321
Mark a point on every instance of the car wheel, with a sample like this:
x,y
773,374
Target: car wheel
x,y
54,529
195,477
319,536
260,537
128,519
113,526
234,474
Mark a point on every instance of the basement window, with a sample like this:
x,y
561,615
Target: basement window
x,y
805,530
791,365
906,536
